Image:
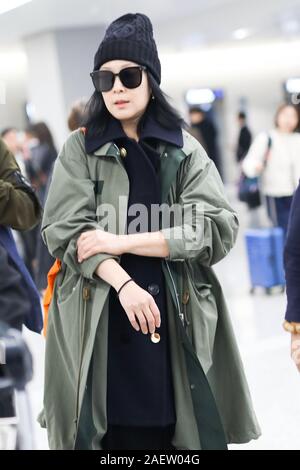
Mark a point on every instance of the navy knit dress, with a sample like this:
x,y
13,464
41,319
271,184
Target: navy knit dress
x,y
139,380
141,410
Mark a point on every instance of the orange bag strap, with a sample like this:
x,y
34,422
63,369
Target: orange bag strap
x,y
51,276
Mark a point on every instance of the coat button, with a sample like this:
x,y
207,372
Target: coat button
x,y
192,386
185,297
123,152
153,289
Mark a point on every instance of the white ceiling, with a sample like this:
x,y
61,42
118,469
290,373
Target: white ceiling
x,y
177,23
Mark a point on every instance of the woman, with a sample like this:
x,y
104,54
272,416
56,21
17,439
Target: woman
x,y
139,336
276,155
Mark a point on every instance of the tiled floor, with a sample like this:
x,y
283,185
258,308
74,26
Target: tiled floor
x,y
264,346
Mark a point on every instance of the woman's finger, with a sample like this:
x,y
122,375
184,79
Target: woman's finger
x,y
155,311
150,318
132,319
142,321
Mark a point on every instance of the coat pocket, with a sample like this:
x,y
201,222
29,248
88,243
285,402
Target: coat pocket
x,y
203,316
69,284
69,322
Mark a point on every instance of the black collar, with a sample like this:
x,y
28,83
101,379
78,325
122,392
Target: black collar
x,y
151,130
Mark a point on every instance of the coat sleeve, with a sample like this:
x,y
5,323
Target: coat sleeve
x,y
70,208
19,206
292,262
205,224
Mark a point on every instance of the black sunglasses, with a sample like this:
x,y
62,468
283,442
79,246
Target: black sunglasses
x,y
131,77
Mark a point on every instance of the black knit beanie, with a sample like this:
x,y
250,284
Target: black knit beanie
x,y
130,37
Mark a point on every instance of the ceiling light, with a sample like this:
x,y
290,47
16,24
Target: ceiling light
x,y
241,33
292,85
7,5
200,96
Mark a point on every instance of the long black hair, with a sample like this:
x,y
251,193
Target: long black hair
x,y
96,115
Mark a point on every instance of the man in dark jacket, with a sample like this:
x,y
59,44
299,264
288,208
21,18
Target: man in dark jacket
x,y
19,209
244,139
19,300
208,134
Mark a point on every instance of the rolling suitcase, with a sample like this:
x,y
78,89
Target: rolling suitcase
x,y
265,258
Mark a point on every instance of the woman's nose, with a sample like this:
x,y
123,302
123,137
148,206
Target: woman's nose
x,y
118,85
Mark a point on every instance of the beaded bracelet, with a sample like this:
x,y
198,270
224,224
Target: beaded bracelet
x,y
128,280
291,327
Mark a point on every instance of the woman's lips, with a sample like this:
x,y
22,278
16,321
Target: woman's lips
x,y
121,103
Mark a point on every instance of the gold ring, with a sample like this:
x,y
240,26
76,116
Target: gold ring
x,y
155,337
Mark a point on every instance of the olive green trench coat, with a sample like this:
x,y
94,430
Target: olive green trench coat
x,y
212,399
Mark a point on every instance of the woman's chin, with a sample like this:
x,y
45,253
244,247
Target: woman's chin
x,y
122,114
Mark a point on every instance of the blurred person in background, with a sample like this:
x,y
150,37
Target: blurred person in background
x,y
207,133
76,114
41,155
279,167
14,139
20,210
9,135
19,299
244,137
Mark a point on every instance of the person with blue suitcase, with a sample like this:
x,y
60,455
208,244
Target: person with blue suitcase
x,y
279,171
274,159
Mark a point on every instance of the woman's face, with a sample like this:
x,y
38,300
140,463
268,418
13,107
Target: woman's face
x,y
136,99
287,119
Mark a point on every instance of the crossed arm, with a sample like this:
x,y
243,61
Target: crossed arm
x,y
142,244
97,241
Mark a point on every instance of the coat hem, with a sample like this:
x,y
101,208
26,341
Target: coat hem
x,y
232,439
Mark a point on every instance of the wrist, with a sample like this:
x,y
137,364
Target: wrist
x,y
123,241
291,327
124,285
120,281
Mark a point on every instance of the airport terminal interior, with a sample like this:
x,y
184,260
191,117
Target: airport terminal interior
x,y
231,68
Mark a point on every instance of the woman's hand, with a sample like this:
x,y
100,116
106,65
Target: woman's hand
x,y
259,167
140,308
98,241
295,349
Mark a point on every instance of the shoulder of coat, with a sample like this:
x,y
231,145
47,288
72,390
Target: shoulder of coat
x,y
77,138
192,146
74,141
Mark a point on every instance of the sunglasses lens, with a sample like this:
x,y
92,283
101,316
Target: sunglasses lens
x,y
131,77
103,80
